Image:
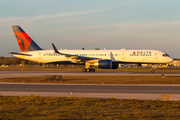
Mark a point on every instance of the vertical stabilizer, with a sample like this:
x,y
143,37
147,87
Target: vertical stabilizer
x,y
24,41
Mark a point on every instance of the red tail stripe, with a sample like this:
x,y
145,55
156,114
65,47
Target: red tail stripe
x,y
20,44
27,40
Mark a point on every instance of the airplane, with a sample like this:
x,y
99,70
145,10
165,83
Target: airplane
x,y
104,59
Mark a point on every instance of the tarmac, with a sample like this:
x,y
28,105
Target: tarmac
x,y
8,74
138,92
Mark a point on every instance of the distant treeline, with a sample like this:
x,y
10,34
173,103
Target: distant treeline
x,y
15,61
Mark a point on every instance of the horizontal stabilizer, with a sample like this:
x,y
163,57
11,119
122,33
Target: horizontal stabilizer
x,y
19,53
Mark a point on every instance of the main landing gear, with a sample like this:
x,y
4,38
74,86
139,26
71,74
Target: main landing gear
x,y
89,70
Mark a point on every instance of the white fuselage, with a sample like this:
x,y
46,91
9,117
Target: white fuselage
x,y
126,56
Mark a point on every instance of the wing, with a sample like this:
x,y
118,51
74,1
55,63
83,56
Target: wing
x,y
78,58
16,53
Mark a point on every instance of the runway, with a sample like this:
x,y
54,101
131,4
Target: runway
x,y
7,74
141,92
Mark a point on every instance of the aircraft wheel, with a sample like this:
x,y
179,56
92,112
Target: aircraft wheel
x,y
152,70
92,70
84,70
40,64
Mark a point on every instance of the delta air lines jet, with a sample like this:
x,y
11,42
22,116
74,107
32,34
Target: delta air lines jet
x,y
105,59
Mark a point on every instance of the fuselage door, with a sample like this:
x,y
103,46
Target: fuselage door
x,y
156,56
40,55
123,56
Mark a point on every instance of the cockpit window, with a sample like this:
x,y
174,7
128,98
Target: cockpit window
x,y
165,55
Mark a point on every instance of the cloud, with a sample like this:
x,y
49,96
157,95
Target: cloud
x,y
3,0
141,31
10,19
68,14
165,24
40,17
129,2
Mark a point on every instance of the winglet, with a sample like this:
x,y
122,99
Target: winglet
x,y
55,49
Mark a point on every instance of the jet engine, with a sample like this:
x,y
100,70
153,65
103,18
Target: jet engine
x,y
106,64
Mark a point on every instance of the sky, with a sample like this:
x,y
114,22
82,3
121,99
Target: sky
x,y
90,24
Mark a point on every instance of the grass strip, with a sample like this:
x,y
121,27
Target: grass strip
x,y
100,80
35,107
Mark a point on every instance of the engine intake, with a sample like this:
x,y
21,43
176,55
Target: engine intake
x,y
107,64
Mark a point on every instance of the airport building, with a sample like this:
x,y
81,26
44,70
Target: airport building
x,y
174,64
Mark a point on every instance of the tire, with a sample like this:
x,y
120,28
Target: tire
x,y
84,70
92,70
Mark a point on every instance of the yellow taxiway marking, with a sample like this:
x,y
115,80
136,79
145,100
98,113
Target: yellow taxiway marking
x,y
164,97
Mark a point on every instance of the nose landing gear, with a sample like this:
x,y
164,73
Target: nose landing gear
x,y
152,70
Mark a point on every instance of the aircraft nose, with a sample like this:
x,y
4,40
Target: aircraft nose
x,y
170,59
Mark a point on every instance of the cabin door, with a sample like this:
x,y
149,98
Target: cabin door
x,y
40,55
123,56
156,56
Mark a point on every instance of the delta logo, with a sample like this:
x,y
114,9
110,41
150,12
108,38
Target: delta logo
x,y
141,53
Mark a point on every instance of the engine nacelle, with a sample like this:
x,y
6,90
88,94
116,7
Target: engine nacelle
x,y
106,64
115,65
